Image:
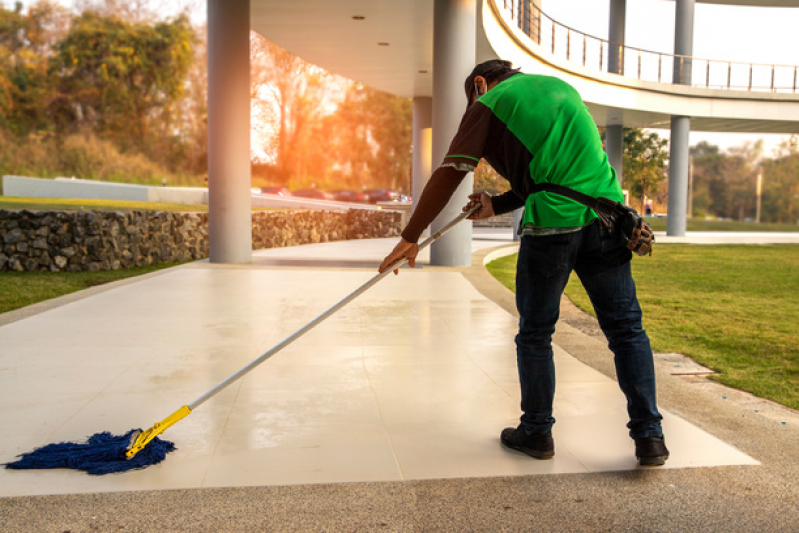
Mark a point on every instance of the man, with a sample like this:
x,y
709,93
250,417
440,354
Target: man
x,y
536,129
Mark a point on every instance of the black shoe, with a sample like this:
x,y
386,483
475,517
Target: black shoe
x,y
538,446
651,451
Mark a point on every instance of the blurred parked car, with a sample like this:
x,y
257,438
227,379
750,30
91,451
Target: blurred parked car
x,y
351,196
280,191
382,195
312,193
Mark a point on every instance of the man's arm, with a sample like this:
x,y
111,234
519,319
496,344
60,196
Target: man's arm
x,y
463,155
436,194
507,202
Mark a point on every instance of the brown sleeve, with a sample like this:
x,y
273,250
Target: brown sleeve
x,y
434,197
469,143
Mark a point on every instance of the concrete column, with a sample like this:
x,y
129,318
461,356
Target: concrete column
x,y
683,40
454,49
614,147
679,146
614,133
422,166
229,197
618,12
422,145
678,175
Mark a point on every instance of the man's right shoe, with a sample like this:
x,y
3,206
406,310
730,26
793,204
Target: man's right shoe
x,y
538,446
651,451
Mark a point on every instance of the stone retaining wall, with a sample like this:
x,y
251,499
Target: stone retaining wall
x,y
109,240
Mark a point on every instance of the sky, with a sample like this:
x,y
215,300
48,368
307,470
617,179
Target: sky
x,y
735,33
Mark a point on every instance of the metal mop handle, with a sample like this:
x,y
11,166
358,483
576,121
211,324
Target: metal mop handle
x,y
316,321
139,439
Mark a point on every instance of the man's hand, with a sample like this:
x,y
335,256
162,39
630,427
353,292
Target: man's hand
x,y
486,211
402,249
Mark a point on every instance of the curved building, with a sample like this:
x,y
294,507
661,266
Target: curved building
x,y
423,49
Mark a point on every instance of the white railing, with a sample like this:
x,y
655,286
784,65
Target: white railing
x,y
568,44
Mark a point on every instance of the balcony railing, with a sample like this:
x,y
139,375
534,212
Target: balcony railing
x,y
566,43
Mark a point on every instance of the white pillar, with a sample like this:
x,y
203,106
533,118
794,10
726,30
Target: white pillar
x,y
618,12
422,145
454,49
679,151
229,197
614,147
614,133
679,145
683,40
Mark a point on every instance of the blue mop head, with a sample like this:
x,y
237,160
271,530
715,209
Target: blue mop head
x,y
102,453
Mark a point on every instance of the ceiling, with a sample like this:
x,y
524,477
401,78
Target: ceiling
x,y
386,44
755,3
325,33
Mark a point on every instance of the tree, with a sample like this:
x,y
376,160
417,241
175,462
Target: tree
x,y
390,119
487,179
724,184
26,42
350,148
740,176
122,79
780,197
372,140
709,190
291,95
321,129
644,161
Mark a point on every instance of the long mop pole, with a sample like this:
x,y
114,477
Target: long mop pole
x,y
140,439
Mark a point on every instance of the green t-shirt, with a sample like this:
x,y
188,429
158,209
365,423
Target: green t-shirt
x,y
536,129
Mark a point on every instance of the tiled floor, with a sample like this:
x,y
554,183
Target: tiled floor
x,y
414,379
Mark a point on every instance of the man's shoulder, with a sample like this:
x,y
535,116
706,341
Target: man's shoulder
x,y
524,85
540,79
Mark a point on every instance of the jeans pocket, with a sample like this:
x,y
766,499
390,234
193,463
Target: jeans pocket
x,y
549,256
613,249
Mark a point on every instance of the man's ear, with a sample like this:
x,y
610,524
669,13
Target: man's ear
x,y
480,82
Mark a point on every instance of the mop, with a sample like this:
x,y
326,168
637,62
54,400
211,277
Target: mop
x,y
104,453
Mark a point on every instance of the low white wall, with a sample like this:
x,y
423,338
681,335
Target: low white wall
x,y
101,190
97,190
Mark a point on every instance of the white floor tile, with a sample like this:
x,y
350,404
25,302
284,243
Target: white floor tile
x,y
415,379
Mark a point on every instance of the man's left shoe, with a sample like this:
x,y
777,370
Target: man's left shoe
x,y
538,446
651,451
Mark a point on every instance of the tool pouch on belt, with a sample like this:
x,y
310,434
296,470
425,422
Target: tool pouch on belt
x,y
621,221
624,223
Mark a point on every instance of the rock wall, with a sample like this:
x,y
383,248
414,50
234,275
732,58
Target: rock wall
x,y
109,240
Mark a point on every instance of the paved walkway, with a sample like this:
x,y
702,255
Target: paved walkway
x,y
401,393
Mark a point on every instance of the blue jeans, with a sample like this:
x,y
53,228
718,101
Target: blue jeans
x,y
603,266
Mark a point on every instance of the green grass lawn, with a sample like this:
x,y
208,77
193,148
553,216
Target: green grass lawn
x,y
734,309
698,224
20,289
